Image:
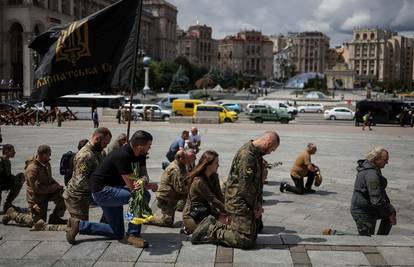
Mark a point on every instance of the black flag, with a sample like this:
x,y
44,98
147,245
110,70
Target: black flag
x,y
89,55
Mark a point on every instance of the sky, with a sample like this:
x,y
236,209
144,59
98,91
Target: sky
x,y
335,18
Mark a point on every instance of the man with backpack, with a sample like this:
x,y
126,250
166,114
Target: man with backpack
x,y
77,195
66,162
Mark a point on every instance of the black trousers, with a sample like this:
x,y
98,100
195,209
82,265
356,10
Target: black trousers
x,y
299,187
366,225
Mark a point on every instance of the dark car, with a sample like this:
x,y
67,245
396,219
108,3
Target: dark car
x,y
260,115
383,112
6,107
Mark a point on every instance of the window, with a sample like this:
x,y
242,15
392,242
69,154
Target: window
x,y
189,105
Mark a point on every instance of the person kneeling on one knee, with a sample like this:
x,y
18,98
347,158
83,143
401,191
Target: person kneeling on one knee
x,y
303,167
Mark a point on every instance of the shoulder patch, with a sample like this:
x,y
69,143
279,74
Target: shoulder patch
x,y
83,167
374,185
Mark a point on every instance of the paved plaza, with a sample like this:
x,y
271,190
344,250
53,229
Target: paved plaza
x,y
293,224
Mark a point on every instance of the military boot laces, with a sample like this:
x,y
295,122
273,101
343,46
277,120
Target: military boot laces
x,y
200,233
11,214
40,225
72,230
136,241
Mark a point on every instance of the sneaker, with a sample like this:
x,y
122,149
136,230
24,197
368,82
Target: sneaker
x,y
40,225
73,230
57,220
136,241
202,230
11,213
282,187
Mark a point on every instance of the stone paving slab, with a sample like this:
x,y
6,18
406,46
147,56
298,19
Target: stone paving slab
x,y
86,251
27,263
394,240
328,240
398,256
74,263
337,258
113,263
160,253
189,253
16,249
262,257
269,239
120,252
49,250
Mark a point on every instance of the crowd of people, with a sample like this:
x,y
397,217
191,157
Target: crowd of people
x,y
228,213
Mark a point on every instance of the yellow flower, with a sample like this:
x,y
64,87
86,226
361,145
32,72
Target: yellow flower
x,y
145,219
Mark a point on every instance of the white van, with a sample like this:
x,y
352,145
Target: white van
x,y
167,101
280,105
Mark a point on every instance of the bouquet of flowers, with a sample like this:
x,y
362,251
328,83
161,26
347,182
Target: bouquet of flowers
x,y
139,211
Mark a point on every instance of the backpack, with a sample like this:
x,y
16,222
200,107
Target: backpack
x,y
65,163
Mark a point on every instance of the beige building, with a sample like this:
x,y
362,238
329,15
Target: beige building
x,y
381,55
198,46
22,20
311,51
248,52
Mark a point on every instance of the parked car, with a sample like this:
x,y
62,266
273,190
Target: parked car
x,y
339,113
233,107
185,107
315,95
259,115
224,114
311,107
250,107
280,105
158,112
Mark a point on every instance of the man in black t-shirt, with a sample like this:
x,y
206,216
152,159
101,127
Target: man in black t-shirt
x,y
111,188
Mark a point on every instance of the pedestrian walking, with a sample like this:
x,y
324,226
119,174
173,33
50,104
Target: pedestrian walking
x,y
95,118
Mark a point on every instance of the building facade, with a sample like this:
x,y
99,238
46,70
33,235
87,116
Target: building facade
x,y
22,20
198,46
248,52
380,55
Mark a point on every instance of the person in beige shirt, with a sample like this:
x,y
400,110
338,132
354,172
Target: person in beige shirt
x,y
303,167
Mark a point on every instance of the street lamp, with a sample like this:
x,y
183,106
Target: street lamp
x,y
147,62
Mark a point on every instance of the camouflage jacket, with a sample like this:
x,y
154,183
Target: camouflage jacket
x,y
243,192
174,183
39,179
84,164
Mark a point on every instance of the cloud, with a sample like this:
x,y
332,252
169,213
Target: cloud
x,y
336,18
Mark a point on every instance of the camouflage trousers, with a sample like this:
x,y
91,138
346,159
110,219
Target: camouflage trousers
x,y
366,224
13,185
39,208
78,207
241,233
166,218
29,220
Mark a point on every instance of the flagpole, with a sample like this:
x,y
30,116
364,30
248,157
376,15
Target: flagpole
x,y
134,66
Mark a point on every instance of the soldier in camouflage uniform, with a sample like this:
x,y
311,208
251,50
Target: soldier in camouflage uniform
x,y
243,197
78,194
369,200
8,181
41,188
173,187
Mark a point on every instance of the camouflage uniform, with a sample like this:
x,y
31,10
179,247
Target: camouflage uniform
x,y
41,188
173,187
243,193
9,182
77,194
204,192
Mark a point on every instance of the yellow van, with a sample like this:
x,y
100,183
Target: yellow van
x,y
225,114
185,107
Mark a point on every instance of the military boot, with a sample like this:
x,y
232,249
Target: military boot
x,y
72,230
11,214
180,205
40,225
201,232
136,241
163,220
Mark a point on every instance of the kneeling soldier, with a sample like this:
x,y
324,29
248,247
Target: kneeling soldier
x,y
41,188
173,188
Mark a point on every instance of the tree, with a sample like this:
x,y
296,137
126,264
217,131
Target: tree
x,y
180,82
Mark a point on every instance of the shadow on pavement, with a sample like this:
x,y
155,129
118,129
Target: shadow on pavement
x,y
276,230
324,193
269,202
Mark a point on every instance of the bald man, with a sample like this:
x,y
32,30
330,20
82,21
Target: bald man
x,y
243,197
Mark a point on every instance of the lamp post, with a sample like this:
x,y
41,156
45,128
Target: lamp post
x,y
147,62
